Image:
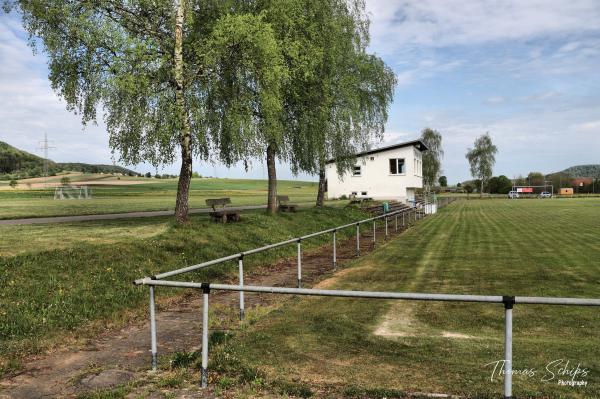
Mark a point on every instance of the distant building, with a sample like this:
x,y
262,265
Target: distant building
x,y
393,173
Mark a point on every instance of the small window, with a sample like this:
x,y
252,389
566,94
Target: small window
x,y
363,193
396,166
357,171
372,158
354,193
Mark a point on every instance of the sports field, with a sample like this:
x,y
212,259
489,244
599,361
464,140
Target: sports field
x,y
377,348
110,195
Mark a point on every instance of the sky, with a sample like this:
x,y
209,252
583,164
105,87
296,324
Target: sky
x,y
526,71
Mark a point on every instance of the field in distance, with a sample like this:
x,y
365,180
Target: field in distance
x,y
112,194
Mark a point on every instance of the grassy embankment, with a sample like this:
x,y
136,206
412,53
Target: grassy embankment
x,y
77,277
152,195
380,348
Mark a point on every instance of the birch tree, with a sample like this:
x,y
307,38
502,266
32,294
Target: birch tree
x,y
136,61
482,158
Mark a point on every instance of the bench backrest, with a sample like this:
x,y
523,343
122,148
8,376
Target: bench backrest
x,y
212,202
282,198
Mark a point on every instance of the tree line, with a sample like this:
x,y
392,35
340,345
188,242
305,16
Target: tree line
x,y
227,81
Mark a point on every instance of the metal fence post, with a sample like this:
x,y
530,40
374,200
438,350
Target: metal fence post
x,y
334,250
374,234
509,301
241,267
357,239
386,227
396,222
402,219
204,369
299,262
153,329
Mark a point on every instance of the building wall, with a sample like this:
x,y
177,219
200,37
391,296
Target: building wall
x,y
375,178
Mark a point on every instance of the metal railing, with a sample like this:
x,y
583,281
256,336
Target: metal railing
x,y
408,215
507,301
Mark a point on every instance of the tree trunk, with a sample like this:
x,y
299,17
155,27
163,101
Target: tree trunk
x,y
272,173
185,175
321,192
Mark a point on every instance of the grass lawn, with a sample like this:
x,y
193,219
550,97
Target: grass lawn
x,y
381,348
152,196
59,278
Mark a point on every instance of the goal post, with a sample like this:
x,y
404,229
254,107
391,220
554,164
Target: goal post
x,y
72,192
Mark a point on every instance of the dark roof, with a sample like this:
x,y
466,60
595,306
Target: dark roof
x,y
417,143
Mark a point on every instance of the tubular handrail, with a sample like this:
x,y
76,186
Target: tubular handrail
x,y
508,301
531,300
270,246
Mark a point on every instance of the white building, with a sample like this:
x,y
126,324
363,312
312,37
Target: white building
x,y
388,173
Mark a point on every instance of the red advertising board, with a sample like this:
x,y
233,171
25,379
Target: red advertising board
x,y
525,190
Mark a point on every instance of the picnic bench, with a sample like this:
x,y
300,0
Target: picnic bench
x,y
222,214
284,205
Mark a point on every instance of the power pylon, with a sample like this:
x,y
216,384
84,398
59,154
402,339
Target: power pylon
x,y
45,146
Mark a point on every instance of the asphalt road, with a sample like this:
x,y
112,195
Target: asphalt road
x,y
111,216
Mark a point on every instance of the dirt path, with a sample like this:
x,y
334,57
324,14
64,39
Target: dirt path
x,y
115,357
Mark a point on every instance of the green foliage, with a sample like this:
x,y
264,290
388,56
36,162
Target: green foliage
x,y
482,159
13,183
65,180
443,181
183,359
499,185
432,158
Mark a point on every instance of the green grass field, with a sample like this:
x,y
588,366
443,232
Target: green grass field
x,y
152,196
381,348
63,278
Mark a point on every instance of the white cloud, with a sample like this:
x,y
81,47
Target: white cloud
x,y
452,22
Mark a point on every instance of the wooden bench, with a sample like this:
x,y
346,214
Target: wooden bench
x,y
393,207
222,215
283,204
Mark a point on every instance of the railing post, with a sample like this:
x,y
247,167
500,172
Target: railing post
x,y
396,223
509,301
241,267
153,329
204,368
386,227
374,234
299,262
334,250
357,239
403,213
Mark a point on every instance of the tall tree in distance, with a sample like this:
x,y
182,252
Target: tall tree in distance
x,y
432,158
482,158
443,180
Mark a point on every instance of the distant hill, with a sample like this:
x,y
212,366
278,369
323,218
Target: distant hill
x,y
19,164
581,171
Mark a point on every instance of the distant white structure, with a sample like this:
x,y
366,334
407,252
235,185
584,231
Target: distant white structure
x,y
388,173
72,192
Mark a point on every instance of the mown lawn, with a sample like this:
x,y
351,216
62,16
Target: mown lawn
x,y
58,278
153,196
382,348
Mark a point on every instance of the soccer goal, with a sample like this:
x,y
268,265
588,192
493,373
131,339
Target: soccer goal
x,y
72,192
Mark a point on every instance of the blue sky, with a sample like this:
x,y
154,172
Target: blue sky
x,y
526,71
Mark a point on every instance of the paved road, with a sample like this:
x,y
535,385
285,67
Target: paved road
x,y
111,216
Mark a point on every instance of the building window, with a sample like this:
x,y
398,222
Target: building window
x,y
396,166
363,193
357,171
